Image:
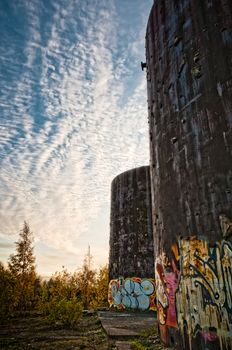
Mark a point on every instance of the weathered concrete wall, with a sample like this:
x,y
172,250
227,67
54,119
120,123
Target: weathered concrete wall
x,y
131,238
189,77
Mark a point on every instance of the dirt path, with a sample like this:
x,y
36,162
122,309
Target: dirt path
x,y
32,332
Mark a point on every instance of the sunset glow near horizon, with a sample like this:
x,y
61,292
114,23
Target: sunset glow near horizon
x,y
73,115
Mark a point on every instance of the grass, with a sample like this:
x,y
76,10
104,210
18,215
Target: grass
x,y
148,340
33,332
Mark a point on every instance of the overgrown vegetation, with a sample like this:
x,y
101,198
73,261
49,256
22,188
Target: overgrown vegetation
x,y
61,299
33,333
149,340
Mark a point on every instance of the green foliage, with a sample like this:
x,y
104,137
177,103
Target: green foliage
x,y
61,285
86,279
93,285
101,288
148,340
22,269
59,299
150,331
86,287
136,345
19,284
22,263
7,283
65,312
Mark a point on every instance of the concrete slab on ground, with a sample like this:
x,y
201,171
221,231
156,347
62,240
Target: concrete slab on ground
x,y
123,345
126,324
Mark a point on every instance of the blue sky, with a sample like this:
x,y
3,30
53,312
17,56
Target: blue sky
x,y
73,115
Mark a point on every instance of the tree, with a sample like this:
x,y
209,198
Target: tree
x,y
22,267
23,261
102,285
59,300
86,278
7,284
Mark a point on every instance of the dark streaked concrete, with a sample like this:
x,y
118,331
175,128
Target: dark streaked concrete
x,y
131,237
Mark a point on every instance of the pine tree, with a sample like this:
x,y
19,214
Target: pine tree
x,y
23,261
22,267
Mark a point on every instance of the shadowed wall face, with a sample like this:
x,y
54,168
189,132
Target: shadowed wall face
x,y
131,238
189,77
131,262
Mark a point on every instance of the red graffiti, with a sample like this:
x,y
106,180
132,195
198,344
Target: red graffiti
x,y
171,286
168,275
209,336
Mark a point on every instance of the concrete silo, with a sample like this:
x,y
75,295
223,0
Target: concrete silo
x,y
189,79
131,261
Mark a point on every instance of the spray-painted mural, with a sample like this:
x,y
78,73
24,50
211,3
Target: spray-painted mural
x,y
133,293
196,297
166,283
204,294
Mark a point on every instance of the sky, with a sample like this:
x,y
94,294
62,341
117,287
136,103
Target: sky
x,y
73,115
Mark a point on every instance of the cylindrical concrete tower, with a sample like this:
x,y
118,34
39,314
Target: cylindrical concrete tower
x,y
189,77
131,261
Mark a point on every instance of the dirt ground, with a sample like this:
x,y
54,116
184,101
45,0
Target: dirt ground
x,y
33,332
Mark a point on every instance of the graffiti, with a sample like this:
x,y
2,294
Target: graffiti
x,y
226,226
166,284
132,293
196,297
204,294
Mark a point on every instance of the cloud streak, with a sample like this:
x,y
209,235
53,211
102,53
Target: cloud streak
x,y
72,119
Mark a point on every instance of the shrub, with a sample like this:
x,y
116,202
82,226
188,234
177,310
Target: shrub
x,y
65,312
7,297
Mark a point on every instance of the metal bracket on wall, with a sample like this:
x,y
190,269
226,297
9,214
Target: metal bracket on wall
x,y
143,65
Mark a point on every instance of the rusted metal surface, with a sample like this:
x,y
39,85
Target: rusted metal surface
x,y
189,77
131,238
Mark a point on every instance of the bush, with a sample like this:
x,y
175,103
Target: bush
x,y
7,297
65,312
58,299
136,345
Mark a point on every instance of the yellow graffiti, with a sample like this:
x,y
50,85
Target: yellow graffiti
x,y
204,293
196,297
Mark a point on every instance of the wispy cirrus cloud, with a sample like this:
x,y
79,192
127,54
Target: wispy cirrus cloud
x,y
73,116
